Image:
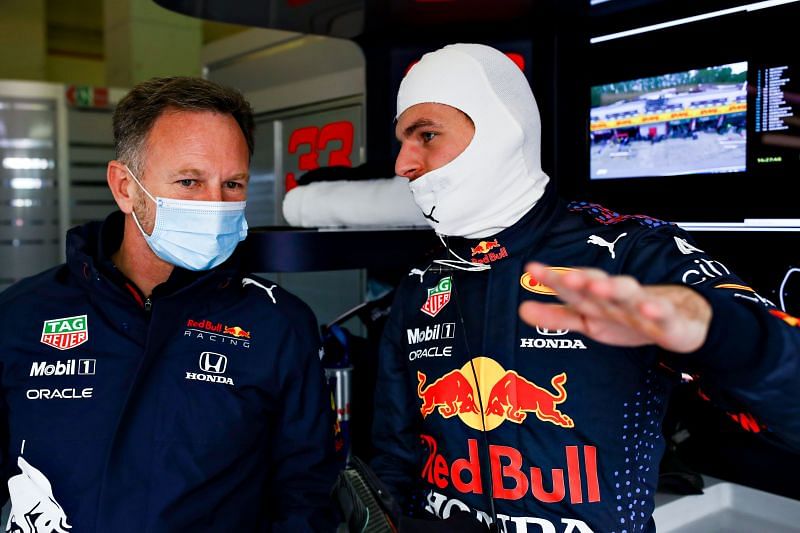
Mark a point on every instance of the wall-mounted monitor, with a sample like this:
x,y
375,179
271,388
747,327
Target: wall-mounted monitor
x,y
688,122
696,123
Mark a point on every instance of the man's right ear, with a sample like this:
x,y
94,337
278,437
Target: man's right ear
x,y
122,185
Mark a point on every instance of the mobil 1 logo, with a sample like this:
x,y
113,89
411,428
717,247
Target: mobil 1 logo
x,y
446,330
70,367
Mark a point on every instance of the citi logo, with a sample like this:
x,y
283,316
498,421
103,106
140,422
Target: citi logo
x,y
213,363
71,367
446,330
216,363
559,344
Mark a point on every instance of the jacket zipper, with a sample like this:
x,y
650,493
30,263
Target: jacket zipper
x,y
148,304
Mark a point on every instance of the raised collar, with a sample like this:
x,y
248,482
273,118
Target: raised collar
x,y
91,246
514,240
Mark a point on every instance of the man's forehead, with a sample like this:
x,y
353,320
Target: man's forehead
x,y
425,115
427,109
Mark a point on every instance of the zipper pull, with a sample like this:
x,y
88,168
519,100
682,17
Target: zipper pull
x,y
148,304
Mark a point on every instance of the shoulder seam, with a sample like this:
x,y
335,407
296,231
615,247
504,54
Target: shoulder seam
x,y
608,217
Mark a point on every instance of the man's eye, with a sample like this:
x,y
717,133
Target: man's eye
x,y
233,185
427,136
187,182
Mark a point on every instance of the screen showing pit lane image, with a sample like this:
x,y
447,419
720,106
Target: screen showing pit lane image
x,y
691,122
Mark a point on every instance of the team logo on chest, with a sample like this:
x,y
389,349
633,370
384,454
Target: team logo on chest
x,y
210,331
485,248
213,366
529,283
65,333
438,297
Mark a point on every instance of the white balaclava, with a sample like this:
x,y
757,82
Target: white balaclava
x,y
498,177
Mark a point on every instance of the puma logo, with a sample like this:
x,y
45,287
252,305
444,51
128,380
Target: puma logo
x,y
599,241
248,281
429,216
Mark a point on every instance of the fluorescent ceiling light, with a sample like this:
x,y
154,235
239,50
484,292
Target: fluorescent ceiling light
x,y
22,202
26,183
27,163
660,26
25,144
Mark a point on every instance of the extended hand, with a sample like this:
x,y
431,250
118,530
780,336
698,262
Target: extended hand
x,y
617,310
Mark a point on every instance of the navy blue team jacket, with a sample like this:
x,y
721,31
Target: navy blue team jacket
x,y
201,409
561,432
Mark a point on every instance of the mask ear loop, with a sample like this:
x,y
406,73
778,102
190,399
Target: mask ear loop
x,y
139,183
459,263
133,213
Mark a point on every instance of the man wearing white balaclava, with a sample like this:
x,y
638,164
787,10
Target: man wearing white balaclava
x,y
501,164
531,396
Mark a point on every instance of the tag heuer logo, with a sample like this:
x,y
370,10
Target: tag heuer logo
x,y
438,297
65,333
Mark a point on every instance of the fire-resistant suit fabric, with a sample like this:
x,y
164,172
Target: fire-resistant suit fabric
x,y
564,433
203,408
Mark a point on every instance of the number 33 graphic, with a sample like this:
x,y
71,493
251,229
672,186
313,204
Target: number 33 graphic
x,y
316,140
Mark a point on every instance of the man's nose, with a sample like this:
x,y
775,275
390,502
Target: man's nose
x,y
408,163
214,194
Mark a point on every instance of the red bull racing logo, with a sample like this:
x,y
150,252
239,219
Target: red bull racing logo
x,y
438,297
218,327
507,396
485,248
530,283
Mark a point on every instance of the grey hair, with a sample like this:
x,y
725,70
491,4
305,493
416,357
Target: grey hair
x,y
136,113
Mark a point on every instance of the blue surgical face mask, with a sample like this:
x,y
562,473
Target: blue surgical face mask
x,y
191,234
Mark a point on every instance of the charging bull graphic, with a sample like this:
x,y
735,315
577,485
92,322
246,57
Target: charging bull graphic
x,y
504,393
236,331
515,397
484,247
452,393
33,507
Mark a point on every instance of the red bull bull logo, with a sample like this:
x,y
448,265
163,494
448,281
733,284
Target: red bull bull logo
x,y
530,283
506,394
484,247
438,297
515,397
236,331
451,393
511,478
34,509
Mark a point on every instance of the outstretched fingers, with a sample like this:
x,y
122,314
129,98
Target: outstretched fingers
x,y
551,316
615,309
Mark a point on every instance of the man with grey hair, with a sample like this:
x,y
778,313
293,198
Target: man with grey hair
x,y
519,386
149,384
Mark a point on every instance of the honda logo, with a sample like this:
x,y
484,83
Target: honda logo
x,y
551,332
216,363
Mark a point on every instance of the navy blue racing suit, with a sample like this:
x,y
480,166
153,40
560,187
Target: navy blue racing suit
x,y
549,430
202,408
